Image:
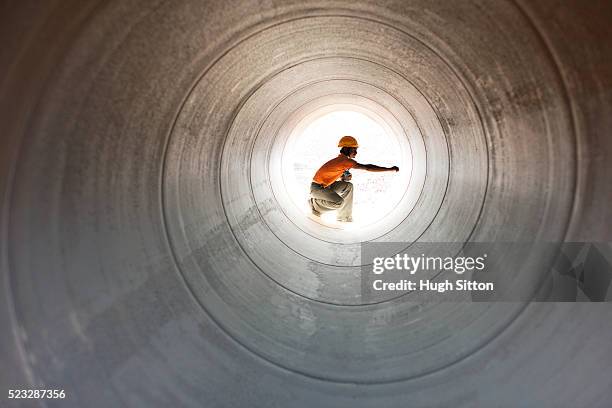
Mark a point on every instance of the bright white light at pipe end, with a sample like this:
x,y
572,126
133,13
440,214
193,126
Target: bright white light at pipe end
x,y
375,194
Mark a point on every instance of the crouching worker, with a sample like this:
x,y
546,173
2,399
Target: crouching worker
x,y
331,189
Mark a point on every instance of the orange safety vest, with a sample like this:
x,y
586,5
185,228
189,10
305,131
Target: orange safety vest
x,y
333,169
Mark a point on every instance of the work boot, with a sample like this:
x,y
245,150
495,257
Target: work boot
x,y
312,208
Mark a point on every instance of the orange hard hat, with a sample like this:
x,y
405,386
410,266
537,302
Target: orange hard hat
x,y
348,141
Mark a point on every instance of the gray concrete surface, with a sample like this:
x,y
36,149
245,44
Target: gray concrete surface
x,y
149,257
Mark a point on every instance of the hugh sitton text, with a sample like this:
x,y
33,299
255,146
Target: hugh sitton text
x,y
427,285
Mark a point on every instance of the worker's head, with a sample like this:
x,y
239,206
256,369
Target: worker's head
x,y
349,151
348,141
348,145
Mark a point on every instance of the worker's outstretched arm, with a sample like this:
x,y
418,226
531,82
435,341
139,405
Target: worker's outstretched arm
x,y
373,167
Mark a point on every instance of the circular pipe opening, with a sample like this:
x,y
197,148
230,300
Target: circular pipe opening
x,y
314,141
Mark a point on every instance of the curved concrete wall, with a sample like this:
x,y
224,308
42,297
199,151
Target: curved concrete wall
x,y
151,257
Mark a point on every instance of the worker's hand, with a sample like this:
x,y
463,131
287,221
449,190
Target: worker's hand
x,y
394,168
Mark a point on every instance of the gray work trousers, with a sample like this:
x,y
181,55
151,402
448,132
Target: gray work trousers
x,y
337,196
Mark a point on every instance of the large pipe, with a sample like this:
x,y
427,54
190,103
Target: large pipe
x,y
151,257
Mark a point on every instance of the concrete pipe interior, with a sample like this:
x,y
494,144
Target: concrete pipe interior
x,y
158,252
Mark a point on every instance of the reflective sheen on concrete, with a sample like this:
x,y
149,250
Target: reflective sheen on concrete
x,y
152,258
